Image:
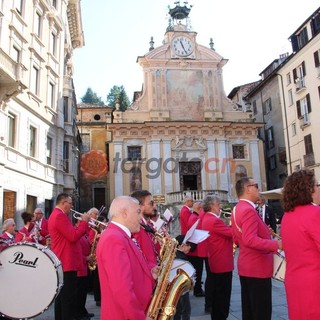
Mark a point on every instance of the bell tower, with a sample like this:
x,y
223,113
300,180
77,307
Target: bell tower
x,y
179,34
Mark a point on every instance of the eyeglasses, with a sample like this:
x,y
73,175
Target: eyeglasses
x,y
253,185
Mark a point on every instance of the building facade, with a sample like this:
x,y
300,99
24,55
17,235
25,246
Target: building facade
x,y
299,89
38,133
182,134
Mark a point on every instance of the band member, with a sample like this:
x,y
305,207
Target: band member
x,y
255,262
300,233
193,256
146,239
8,232
220,257
42,225
27,233
83,276
94,235
267,214
185,213
126,279
64,238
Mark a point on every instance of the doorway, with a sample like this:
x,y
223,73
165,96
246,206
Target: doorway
x,y
190,175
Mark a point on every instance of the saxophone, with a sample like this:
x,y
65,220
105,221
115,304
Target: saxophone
x,y
92,262
166,294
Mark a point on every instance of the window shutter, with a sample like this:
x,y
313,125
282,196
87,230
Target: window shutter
x,y
308,102
298,109
294,43
316,59
304,69
294,71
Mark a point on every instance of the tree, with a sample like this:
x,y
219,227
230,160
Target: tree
x,y
92,98
118,94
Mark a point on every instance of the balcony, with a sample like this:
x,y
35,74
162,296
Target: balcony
x,y
300,84
308,159
197,195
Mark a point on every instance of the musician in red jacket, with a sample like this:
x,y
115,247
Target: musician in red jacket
x,y
7,237
126,279
220,257
64,239
42,225
185,214
28,233
193,256
146,240
255,261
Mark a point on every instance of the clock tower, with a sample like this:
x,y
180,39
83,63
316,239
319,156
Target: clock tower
x,y
182,40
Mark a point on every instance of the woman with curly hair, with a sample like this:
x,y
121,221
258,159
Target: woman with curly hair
x,y
300,233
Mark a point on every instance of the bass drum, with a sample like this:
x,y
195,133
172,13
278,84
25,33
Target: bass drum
x,y
185,266
31,277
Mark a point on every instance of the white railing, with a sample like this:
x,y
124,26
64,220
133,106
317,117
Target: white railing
x,y
197,195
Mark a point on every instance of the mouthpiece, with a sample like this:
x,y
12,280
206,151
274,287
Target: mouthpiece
x,y
147,228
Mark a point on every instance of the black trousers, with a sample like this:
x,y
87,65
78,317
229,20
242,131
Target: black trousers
x,y
96,285
208,297
220,285
197,263
256,298
183,311
65,303
81,299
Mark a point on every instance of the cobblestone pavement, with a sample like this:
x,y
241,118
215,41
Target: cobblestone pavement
x,y
278,298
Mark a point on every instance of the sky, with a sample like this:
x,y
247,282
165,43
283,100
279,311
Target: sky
x,y
250,34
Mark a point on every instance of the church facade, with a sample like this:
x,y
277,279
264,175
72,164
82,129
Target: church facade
x,y
182,134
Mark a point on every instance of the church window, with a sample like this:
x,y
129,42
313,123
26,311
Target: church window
x,y
238,152
134,153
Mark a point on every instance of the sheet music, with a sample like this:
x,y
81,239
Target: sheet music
x,y
168,215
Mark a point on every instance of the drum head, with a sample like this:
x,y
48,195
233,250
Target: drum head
x,y
29,280
184,265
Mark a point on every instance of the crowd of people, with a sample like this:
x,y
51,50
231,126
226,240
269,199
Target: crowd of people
x,y
127,254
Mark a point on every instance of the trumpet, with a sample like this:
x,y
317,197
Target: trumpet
x,y
94,223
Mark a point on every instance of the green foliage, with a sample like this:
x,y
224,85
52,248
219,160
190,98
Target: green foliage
x,y
118,93
92,98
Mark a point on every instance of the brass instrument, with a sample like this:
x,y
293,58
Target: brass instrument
x,y
92,263
166,295
92,222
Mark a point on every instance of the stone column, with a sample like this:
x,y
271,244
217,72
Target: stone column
x,y
224,169
211,165
154,166
118,174
254,151
169,166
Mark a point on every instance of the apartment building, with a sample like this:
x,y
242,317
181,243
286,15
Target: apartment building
x,y
38,132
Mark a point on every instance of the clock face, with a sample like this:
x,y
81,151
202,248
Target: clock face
x,y
182,46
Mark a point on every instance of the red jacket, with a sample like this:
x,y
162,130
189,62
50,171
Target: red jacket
x,y
256,247
84,251
185,214
64,238
148,247
220,244
300,234
126,280
10,240
24,235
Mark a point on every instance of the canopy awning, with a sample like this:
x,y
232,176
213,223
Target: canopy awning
x,y
274,194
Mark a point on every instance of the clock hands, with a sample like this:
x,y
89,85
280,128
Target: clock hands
x,y
183,47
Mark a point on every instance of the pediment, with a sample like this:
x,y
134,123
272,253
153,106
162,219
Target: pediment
x,y
163,53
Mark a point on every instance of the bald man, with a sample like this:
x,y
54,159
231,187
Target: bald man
x,y
126,280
